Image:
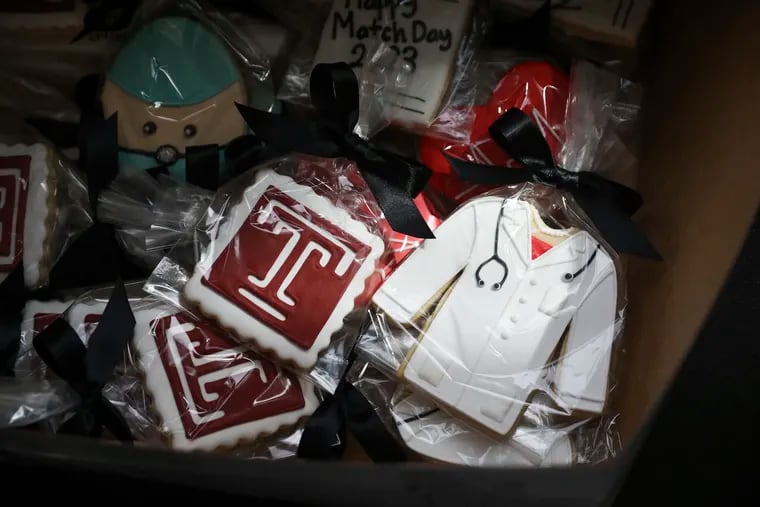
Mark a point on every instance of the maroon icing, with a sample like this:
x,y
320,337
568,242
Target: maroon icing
x,y
315,289
249,388
14,186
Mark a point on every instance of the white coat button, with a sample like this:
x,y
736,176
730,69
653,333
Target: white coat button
x,y
523,301
513,318
533,282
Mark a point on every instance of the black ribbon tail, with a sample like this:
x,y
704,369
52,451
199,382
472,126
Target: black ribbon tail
x,y
88,369
398,207
483,174
202,166
369,430
111,419
282,135
114,330
324,436
243,153
99,154
616,226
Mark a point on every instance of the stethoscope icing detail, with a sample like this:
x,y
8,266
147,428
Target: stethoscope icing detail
x,y
498,260
495,258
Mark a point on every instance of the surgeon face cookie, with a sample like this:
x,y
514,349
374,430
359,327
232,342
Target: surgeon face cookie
x,y
173,85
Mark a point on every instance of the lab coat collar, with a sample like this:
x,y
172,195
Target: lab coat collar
x,y
516,223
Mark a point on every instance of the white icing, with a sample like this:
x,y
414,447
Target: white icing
x,y
245,326
161,391
426,34
487,350
36,235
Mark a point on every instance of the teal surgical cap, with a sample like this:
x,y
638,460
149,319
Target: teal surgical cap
x,y
174,61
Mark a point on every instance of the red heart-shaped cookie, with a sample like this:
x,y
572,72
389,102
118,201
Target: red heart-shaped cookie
x,y
538,88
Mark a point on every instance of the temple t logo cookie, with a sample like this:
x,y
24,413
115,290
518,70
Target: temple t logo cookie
x,y
209,391
27,212
285,269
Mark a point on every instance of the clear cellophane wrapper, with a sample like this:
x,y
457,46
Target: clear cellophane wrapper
x,y
152,215
434,42
181,384
538,87
44,205
589,119
515,308
540,440
285,259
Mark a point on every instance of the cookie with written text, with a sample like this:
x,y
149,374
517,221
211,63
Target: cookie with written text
x,y
284,268
426,35
209,391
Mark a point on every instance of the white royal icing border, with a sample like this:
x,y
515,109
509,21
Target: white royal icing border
x,y
157,384
36,237
247,328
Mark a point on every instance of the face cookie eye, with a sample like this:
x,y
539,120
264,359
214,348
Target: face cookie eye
x,y
190,131
149,128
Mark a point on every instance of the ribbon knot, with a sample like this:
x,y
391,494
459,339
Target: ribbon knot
x,y
87,369
394,180
608,204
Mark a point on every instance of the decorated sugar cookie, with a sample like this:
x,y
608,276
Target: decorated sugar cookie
x,y
516,291
174,85
426,34
537,88
27,212
284,269
210,392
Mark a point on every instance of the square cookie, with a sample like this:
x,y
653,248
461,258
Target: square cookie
x,y
426,35
27,212
284,269
209,391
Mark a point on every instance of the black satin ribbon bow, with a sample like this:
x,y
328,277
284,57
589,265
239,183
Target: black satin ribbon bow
x,y
107,16
393,180
324,437
608,204
88,369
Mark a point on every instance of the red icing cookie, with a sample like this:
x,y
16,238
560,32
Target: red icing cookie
x,y
26,212
209,391
537,88
284,269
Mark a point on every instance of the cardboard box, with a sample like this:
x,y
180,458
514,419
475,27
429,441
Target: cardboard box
x,y
699,177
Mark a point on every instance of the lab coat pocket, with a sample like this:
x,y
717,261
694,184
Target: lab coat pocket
x,y
554,301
